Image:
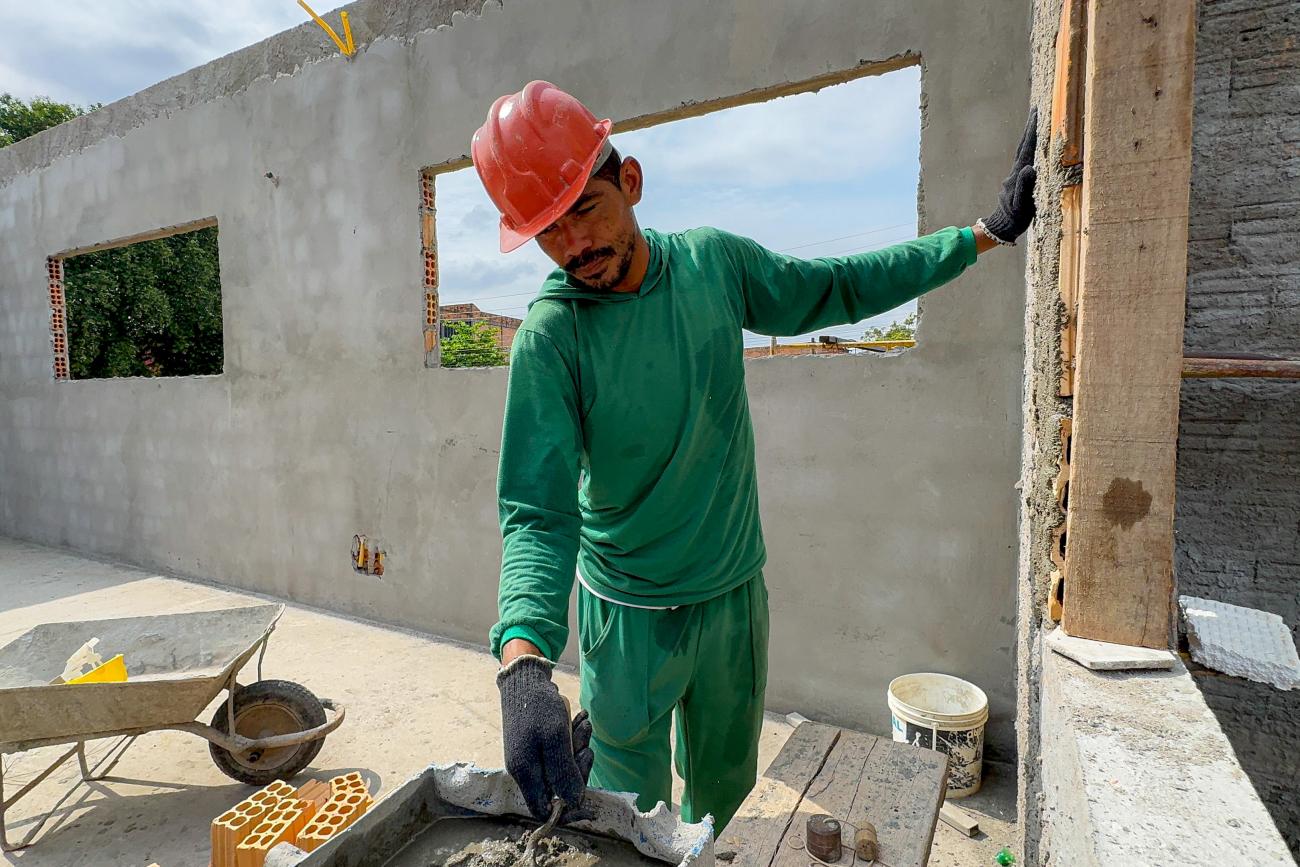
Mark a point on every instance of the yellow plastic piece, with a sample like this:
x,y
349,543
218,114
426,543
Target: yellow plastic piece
x,y
113,671
347,35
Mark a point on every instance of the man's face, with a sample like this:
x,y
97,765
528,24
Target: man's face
x,y
594,241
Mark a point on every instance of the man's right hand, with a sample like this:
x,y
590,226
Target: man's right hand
x,y
547,756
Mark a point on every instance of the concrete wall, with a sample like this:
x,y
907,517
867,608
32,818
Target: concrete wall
x,y
1040,513
1238,512
887,484
1136,771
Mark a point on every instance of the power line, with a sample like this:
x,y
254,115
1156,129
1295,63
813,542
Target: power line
x,y
533,292
844,237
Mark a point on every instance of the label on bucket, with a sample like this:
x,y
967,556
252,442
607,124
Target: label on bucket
x,y
964,747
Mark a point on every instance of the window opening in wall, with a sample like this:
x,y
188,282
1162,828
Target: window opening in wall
x,y
824,173
144,306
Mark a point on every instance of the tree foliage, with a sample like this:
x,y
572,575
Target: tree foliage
x,y
148,309
905,330
19,119
472,344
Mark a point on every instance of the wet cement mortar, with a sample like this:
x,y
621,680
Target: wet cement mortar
x,y
498,843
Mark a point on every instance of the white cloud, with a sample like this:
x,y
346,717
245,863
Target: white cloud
x,y
87,51
869,124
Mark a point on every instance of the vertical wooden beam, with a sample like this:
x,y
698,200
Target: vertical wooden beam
x,y
1067,94
1132,295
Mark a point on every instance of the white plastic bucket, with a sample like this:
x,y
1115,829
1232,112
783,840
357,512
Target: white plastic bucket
x,y
944,713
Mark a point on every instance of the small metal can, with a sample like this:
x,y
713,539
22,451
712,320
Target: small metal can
x,y
822,835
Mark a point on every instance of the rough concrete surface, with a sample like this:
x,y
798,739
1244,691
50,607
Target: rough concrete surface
x,y
1042,410
1238,507
887,484
1139,773
412,700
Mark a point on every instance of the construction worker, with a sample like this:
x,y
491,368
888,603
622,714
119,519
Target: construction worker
x,y
628,451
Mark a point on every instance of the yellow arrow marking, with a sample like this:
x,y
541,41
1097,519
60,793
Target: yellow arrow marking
x,y
348,48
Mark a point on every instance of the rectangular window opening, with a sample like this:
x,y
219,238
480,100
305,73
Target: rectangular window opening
x,y
149,305
813,173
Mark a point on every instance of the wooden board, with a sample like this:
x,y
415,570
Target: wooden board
x,y
958,819
758,826
1132,295
856,778
1068,90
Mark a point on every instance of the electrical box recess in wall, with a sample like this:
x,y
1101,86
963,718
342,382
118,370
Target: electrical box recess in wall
x,y
367,556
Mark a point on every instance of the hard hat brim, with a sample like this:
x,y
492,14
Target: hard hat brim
x,y
512,238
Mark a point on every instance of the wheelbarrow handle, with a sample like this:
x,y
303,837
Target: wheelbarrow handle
x,y
236,743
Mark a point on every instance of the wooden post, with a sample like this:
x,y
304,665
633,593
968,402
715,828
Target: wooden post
x,y
1132,295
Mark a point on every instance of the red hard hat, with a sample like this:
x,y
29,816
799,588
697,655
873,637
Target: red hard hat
x,y
534,154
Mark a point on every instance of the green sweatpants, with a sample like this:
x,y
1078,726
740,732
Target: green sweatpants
x,y
706,662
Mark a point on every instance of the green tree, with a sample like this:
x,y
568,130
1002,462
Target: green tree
x,y
147,309
905,330
19,119
472,344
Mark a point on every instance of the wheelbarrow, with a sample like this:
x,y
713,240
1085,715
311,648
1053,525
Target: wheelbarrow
x,y
176,664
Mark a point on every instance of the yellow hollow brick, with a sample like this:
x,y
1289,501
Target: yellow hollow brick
x,y
315,792
231,828
252,852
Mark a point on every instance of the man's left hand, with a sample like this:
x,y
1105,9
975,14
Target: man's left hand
x,y
1015,210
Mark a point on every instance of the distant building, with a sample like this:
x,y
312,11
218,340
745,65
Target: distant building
x,y
506,326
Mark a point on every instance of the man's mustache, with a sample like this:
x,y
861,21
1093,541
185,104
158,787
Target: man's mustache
x,y
577,263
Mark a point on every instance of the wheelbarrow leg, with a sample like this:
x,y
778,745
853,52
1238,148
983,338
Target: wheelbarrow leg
x,y
123,744
6,803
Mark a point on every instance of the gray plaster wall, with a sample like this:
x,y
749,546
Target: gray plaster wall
x,y
887,484
1238,509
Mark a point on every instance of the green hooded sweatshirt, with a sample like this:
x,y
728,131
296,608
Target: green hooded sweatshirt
x,y
628,449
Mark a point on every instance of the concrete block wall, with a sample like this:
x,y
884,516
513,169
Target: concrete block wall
x,y
1238,510
888,485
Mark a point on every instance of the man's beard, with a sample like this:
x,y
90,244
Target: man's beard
x,y
604,283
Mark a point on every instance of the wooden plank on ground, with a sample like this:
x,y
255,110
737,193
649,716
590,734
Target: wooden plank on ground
x,y
900,791
958,819
1132,295
758,826
1068,90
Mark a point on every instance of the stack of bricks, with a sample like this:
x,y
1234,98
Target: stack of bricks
x,y
281,825
232,828
306,817
58,317
349,799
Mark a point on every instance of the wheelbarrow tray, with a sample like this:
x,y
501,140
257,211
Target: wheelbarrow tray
x,y
177,664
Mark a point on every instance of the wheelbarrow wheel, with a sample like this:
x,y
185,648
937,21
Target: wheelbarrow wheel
x,y
265,709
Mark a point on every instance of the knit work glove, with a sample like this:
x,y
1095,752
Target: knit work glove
x,y
546,755
1015,210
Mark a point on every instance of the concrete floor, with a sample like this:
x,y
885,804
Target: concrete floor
x,y
412,700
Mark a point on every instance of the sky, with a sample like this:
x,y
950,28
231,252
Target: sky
x,y
815,174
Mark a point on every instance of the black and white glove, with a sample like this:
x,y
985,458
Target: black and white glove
x,y
547,756
1015,210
